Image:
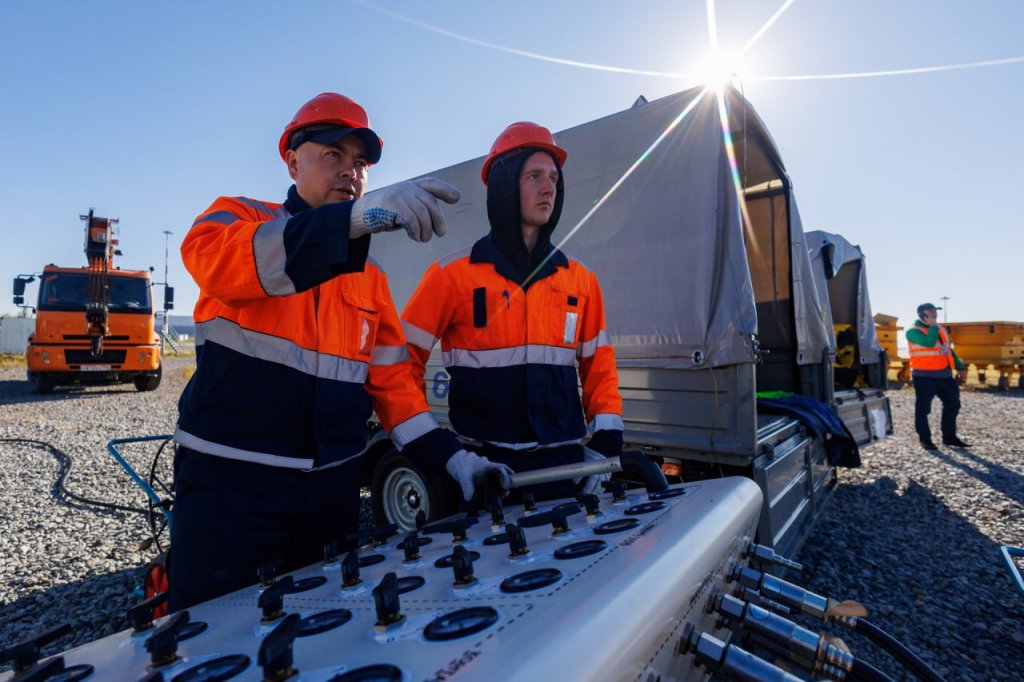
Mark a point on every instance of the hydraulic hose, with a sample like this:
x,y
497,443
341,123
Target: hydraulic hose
x,y
899,651
66,463
817,606
862,670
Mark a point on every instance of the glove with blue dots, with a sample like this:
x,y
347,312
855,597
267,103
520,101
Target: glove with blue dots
x,y
411,206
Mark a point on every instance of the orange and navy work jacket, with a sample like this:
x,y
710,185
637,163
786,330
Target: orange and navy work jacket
x,y
937,359
297,339
513,355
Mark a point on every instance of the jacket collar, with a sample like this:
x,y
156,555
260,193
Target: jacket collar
x,y
486,251
294,203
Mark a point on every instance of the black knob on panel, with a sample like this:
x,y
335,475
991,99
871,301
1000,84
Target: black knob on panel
x,y
275,654
556,516
456,524
516,540
490,488
271,600
529,504
462,565
411,546
267,572
591,502
385,598
162,645
25,654
350,569
49,669
378,536
497,513
616,487
141,615
330,551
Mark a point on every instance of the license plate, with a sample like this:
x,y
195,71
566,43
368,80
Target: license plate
x,y
95,368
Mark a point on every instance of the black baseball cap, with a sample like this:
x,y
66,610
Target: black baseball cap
x,y
331,134
926,306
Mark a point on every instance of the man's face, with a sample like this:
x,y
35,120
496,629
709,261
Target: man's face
x,y
929,316
538,181
325,174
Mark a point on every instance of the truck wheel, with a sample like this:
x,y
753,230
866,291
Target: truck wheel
x,y
149,382
401,489
41,384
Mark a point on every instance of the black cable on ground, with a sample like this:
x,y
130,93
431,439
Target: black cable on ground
x,y
157,522
66,463
904,655
862,670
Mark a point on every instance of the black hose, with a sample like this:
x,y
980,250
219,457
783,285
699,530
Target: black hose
x,y
636,462
862,670
157,521
66,463
904,655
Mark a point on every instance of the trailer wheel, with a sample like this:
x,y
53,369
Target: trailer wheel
x,y
41,384
149,382
401,489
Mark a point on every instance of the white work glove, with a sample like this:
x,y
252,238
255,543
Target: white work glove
x,y
592,484
467,467
409,205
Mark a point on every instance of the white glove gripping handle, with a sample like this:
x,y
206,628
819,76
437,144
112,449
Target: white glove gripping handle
x,y
408,205
465,467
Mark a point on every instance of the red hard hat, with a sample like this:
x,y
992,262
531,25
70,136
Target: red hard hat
x,y
518,136
330,108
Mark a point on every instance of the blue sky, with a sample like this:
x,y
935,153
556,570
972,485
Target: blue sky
x,y
149,111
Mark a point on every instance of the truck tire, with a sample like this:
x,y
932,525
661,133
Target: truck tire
x,y
41,384
149,382
400,489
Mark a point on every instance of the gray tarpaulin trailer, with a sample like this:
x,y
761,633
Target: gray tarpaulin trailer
x,y
840,276
703,311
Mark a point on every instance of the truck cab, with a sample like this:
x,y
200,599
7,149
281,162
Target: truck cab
x,y
93,325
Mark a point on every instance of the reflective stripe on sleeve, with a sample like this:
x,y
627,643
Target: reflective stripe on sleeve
x,y
268,249
389,355
222,217
261,207
606,422
588,348
417,336
509,357
282,351
412,428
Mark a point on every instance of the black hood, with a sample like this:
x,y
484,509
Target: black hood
x,y
505,217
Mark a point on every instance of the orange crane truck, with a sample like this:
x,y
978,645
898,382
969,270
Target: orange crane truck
x,y
94,325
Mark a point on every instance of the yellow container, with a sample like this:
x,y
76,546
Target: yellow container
x,y
988,343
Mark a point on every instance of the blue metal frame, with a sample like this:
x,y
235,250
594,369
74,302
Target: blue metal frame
x,y
1007,551
146,488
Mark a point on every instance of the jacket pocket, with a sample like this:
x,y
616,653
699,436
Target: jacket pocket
x,y
565,313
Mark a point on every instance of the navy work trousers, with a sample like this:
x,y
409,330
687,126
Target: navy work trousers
x,y
948,392
230,517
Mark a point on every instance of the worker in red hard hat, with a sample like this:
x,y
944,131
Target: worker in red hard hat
x,y
516,317
297,342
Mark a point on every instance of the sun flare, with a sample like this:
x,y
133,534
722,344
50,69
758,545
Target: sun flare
x,y
718,69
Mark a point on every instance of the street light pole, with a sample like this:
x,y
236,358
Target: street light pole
x,y
945,308
163,336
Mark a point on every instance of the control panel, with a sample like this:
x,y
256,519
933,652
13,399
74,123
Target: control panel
x,y
601,587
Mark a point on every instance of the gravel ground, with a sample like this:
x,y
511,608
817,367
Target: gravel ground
x,y
913,535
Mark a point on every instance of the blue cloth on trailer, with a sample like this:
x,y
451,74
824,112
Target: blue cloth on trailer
x,y
840,445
